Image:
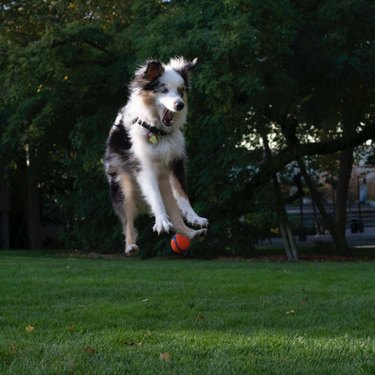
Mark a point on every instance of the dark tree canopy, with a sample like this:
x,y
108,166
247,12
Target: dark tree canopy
x,y
301,73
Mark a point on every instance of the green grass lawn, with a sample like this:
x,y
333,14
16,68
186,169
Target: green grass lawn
x,y
65,315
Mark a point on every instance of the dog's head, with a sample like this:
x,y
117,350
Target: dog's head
x,y
164,87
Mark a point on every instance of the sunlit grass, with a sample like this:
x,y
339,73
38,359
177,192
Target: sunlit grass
x,y
96,316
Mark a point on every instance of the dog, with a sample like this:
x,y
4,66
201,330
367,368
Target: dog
x,y
145,159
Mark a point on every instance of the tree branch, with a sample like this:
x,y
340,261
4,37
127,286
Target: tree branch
x,y
100,48
58,43
292,153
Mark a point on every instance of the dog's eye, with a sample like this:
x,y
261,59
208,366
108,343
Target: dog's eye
x,y
164,90
181,90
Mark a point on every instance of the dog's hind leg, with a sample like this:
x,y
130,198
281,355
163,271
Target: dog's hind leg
x,y
129,213
174,211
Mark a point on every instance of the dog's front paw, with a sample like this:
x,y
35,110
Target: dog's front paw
x,y
162,224
197,221
199,234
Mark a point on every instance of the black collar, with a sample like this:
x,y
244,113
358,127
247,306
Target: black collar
x,y
152,129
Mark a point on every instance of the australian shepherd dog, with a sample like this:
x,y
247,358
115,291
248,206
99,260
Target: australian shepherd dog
x,y
145,156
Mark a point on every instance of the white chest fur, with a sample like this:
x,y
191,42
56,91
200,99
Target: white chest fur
x,y
162,153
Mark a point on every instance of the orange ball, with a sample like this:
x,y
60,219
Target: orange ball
x,y
180,243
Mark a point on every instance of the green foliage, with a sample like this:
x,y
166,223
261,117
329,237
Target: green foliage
x,y
260,220
64,66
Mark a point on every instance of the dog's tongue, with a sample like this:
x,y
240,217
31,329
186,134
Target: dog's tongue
x,y
168,117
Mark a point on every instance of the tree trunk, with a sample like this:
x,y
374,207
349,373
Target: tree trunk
x,y
32,203
285,238
339,238
33,214
285,228
345,171
4,212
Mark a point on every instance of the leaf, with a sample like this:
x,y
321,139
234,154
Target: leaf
x,y
71,328
133,343
13,348
29,328
200,316
291,312
89,350
165,357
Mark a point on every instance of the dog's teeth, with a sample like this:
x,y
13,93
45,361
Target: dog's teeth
x,y
168,117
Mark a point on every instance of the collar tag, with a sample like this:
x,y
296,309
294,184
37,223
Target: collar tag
x,y
152,138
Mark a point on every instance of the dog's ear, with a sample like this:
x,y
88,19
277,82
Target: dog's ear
x,y
192,64
153,70
186,70
189,66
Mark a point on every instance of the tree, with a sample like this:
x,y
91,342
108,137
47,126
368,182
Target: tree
x,y
324,62
57,78
64,70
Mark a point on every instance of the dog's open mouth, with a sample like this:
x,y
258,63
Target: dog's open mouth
x,y
167,119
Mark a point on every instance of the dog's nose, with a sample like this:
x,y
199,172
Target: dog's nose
x,y
179,106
